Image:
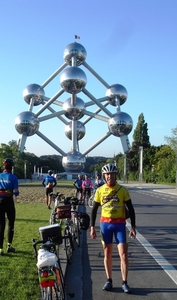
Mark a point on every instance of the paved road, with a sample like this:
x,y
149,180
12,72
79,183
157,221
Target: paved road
x,y
86,275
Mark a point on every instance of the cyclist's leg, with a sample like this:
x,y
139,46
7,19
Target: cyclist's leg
x,y
2,223
106,238
50,190
47,197
122,241
11,220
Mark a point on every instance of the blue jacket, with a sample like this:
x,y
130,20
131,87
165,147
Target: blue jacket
x,y
8,183
49,182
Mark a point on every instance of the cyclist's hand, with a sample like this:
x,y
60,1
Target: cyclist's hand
x,y
92,232
132,233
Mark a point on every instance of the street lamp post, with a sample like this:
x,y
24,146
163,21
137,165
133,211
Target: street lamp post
x,y
25,170
176,168
141,165
125,168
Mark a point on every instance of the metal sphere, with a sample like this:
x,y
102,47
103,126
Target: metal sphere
x,y
73,162
26,123
120,124
73,80
80,130
74,112
33,91
74,50
119,91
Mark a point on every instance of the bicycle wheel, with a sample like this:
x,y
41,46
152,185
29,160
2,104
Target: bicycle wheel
x,y
76,230
52,219
68,245
58,292
90,201
46,293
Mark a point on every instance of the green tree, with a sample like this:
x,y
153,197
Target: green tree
x,y
140,135
140,138
165,164
172,142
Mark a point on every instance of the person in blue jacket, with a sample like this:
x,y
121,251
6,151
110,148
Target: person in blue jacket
x,y
49,182
8,188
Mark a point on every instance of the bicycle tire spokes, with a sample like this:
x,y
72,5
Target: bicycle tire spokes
x,y
76,228
69,247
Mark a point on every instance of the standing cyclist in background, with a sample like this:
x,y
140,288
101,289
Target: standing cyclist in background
x,y
113,199
78,185
86,186
49,182
99,181
8,188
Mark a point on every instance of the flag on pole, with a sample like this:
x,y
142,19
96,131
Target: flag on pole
x,y
77,37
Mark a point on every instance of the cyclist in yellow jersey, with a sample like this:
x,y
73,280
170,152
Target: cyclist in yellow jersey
x,y
113,199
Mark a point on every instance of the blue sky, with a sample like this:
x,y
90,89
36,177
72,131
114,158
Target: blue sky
x,y
130,42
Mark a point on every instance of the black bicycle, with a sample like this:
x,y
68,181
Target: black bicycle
x,y
74,220
69,215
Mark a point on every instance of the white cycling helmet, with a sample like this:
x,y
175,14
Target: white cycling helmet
x,y
109,168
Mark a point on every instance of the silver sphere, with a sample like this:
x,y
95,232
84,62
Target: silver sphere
x,y
74,112
73,162
80,130
73,80
26,123
33,91
120,124
74,50
119,91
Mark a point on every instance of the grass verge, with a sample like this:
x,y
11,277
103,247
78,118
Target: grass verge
x,y
18,272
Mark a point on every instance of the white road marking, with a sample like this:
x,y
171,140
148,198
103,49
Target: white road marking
x,y
165,265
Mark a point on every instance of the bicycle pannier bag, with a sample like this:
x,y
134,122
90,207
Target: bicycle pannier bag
x,y
64,211
84,220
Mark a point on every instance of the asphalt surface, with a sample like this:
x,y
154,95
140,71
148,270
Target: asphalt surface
x,y
86,276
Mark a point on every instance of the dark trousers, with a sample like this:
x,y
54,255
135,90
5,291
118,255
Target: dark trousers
x,y
7,207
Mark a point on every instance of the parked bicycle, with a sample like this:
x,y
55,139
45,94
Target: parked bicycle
x,y
74,221
65,212
57,199
50,273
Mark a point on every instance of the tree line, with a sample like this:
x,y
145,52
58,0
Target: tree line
x,y
159,162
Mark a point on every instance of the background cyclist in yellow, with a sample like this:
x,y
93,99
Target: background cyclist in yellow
x,y
113,199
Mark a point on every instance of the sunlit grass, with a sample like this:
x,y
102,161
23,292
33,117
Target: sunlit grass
x,y
18,272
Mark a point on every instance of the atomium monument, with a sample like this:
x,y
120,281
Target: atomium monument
x,y
73,81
